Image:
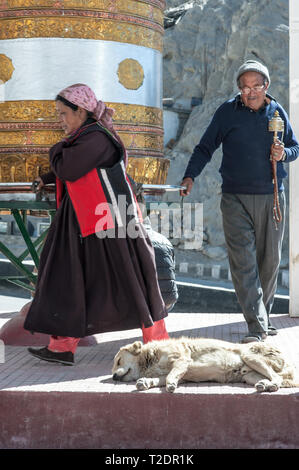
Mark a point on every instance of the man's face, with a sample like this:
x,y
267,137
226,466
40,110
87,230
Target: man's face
x,y
253,90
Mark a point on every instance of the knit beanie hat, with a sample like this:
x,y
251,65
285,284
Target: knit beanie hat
x,y
254,66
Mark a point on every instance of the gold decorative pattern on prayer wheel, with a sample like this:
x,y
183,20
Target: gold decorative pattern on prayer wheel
x,y
114,46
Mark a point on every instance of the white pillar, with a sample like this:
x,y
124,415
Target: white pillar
x,y
294,167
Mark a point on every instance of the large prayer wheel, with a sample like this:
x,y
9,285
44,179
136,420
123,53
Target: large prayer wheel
x,y
114,46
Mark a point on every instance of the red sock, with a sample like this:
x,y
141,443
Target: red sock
x,y
156,332
63,344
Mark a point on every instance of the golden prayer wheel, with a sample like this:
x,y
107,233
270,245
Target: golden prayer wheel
x,y
114,46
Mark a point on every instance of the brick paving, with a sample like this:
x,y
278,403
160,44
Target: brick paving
x,y
92,371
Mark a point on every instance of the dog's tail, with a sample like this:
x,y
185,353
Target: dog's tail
x,y
289,377
289,383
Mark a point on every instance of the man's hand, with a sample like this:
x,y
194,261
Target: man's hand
x,y
277,150
188,183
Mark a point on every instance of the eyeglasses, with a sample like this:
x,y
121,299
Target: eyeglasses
x,y
257,89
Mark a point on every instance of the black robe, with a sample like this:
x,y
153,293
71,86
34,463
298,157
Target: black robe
x,y
92,285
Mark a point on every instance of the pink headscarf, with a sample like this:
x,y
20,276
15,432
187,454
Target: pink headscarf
x,y
83,96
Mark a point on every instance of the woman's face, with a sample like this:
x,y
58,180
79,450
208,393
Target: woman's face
x,y
70,120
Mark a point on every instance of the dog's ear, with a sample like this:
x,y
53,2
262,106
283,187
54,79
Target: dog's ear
x,y
135,348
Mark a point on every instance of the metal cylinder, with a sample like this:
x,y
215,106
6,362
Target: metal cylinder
x,y
114,46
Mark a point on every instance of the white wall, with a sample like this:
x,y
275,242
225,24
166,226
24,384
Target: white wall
x,y
171,123
294,167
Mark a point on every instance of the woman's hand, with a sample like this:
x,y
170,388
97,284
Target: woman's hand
x,y
37,184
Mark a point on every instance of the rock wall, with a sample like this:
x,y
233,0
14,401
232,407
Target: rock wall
x,y
205,43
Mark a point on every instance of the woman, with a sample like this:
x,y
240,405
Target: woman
x,y
97,271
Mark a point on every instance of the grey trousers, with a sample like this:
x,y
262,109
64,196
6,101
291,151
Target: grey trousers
x,y
254,244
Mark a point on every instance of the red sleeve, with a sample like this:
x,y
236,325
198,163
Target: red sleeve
x,y
86,153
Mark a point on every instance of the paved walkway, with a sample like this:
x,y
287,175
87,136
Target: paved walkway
x,y
92,370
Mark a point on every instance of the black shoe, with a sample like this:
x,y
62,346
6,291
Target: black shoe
x,y
66,358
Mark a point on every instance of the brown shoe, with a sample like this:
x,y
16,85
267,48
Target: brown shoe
x,y
66,358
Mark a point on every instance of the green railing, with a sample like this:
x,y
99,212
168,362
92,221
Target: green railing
x,y
18,209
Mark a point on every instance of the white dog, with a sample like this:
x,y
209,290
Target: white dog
x,y
168,362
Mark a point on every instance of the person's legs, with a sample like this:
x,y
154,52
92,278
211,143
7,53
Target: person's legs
x,y
156,332
63,344
239,230
61,349
269,237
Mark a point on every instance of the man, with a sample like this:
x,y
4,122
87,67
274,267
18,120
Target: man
x,y
253,236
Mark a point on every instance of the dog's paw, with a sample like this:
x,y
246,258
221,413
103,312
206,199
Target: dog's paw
x,y
266,386
142,384
273,387
170,387
260,386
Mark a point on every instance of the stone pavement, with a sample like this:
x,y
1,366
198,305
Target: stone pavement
x,y
44,405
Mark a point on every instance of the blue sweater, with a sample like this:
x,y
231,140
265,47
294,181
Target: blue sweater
x,y
246,142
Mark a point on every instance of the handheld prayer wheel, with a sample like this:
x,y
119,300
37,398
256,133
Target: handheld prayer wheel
x,y
276,125
113,46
